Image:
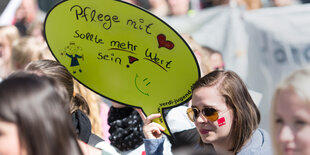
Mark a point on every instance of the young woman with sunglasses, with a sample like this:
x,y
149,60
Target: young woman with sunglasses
x,y
224,114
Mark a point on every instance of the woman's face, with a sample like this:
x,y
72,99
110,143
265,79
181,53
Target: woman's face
x,y
178,7
216,62
5,50
292,124
9,140
216,132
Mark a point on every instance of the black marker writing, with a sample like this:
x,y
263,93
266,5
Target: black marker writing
x,y
122,45
90,15
110,57
88,36
139,25
154,58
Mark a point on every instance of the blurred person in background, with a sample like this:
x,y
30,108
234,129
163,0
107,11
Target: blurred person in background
x,y
159,7
247,4
290,114
94,102
27,12
215,59
142,3
27,49
280,3
179,7
7,35
36,29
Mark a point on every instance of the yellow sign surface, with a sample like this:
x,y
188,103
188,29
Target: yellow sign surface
x,y
123,53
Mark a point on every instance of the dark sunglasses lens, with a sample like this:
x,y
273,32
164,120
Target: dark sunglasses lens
x,y
210,113
196,113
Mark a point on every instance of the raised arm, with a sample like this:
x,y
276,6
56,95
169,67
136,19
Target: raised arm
x,y
153,133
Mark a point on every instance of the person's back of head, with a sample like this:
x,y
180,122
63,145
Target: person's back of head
x,y
59,72
27,49
78,105
33,103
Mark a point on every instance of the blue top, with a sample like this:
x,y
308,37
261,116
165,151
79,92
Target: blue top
x,y
259,144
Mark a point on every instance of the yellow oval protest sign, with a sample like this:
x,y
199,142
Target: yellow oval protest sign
x,y
123,53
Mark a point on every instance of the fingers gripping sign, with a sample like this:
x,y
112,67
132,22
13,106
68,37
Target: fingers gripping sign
x,y
151,130
129,55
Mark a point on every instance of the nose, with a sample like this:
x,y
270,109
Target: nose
x,y
286,134
201,119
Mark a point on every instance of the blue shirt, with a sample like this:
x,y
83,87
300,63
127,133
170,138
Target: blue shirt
x,y
259,144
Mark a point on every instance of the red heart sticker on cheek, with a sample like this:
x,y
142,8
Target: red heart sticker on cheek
x,y
221,121
162,42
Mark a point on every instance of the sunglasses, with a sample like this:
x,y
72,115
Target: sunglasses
x,y
209,113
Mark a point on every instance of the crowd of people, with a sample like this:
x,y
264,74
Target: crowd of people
x,y
43,110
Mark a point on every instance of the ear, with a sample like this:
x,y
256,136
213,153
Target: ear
x,y
197,55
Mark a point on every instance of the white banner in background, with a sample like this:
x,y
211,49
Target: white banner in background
x,y
279,43
220,28
7,15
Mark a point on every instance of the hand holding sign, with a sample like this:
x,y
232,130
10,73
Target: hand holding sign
x,y
126,54
151,130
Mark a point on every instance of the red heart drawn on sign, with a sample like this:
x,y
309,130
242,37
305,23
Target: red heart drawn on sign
x,y
132,59
162,42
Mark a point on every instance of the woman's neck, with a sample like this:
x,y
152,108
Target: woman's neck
x,y
222,150
223,146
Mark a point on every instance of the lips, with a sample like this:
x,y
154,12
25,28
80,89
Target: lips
x,y
289,151
204,131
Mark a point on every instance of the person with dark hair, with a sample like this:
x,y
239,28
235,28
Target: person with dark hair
x,y
58,72
33,117
224,115
78,105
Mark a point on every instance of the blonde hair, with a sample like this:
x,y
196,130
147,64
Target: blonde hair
x,y
27,49
93,100
200,54
9,32
299,82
